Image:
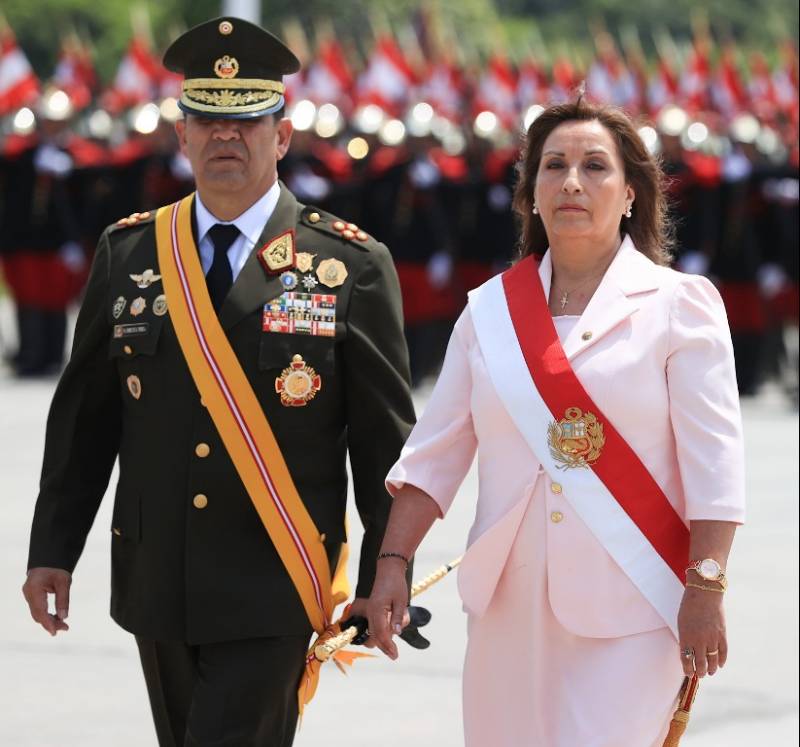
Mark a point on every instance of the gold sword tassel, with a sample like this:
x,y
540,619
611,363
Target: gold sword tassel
x,y
326,650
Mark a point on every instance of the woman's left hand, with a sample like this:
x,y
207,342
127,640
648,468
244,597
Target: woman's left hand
x,y
701,628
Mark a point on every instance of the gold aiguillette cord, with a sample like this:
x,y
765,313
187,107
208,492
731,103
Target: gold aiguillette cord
x,y
324,651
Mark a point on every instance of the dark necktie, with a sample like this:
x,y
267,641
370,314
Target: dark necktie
x,y
220,277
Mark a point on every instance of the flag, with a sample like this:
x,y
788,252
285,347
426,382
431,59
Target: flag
x,y
728,90
74,73
497,91
18,83
329,79
137,79
443,87
387,79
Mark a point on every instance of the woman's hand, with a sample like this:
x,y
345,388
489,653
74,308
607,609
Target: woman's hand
x,y
701,628
387,608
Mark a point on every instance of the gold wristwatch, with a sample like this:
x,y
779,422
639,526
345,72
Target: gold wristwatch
x,y
709,570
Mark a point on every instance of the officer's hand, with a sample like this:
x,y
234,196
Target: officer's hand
x,y
40,583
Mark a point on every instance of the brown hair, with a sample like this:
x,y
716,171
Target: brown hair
x,y
649,227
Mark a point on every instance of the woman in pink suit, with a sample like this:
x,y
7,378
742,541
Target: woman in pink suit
x,y
597,387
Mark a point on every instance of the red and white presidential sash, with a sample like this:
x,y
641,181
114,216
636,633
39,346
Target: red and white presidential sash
x,y
603,478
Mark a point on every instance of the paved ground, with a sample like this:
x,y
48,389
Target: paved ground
x,y
84,689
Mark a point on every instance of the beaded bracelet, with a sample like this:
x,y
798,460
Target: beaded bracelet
x,y
395,555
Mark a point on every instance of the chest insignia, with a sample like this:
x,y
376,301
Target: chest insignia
x,y
298,384
576,440
331,272
301,314
160,305
134,386
119,307
146,279
278,254
304,261
138,305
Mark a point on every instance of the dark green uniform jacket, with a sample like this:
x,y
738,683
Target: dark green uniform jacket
x,y
211,574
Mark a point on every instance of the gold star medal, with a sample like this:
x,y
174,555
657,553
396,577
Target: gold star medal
x,y
331,272
277,255
298,384
576,440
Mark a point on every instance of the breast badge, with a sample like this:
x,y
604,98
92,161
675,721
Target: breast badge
x,y
289,280
146,279
298,384
138,305
278,255
134,386
331,272
301,314
160,305
119,307
304,261
576,440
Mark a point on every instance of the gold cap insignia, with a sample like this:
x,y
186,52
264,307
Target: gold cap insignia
x,y
331,272
134,386
304,261
225,28
226,67
576,440
298,384
278,254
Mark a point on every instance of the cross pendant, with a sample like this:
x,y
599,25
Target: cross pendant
x,y
564,300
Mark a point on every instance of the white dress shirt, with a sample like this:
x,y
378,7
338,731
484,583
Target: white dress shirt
x,y
250,224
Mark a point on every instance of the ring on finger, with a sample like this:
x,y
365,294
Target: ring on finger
x,y
715,652
687,653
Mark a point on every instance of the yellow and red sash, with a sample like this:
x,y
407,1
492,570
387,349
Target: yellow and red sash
x,y
244,430
610,487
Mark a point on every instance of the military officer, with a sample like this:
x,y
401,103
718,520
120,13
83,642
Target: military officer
x,y
231,350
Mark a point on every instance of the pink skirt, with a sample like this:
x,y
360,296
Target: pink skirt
x,y
529,682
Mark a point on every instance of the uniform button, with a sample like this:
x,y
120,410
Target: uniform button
x,y
128,349
348,234
361,235
339,226
556,517
314,218
202,402
199,501
117,532
352,227
556,488
202,450
586,336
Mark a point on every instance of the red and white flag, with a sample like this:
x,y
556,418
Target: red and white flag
x,y
694,82
533,86
74,73
662,90
497,91
329,79
728,90
443,87
137,79
18,83
388,78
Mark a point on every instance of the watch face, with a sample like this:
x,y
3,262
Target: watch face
x,y
709,569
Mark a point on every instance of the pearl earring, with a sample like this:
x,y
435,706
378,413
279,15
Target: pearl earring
x,y
535,210
628,211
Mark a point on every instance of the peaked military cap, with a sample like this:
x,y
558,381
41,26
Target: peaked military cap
x,y
232,69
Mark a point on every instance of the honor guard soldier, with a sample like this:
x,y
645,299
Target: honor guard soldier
x,y
231,350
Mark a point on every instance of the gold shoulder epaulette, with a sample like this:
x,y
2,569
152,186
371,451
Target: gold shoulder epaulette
x,y
133,219
333,226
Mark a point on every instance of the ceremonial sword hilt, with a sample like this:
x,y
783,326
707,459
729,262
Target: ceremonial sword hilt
x,y
326,650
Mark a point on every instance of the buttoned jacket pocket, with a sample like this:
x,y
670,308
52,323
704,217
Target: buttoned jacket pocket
x,y
276,351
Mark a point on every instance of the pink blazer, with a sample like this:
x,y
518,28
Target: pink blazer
x,y
659,364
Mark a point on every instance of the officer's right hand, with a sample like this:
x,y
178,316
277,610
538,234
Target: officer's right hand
x,y
40,583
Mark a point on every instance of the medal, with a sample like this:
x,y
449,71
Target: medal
x,y
134,386
160,305
304,261
310,282
146,279
576,440
119,307
289,280
298,384
331,272
138,305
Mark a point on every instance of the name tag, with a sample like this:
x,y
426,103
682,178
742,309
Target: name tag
x,y
131,330
301,314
